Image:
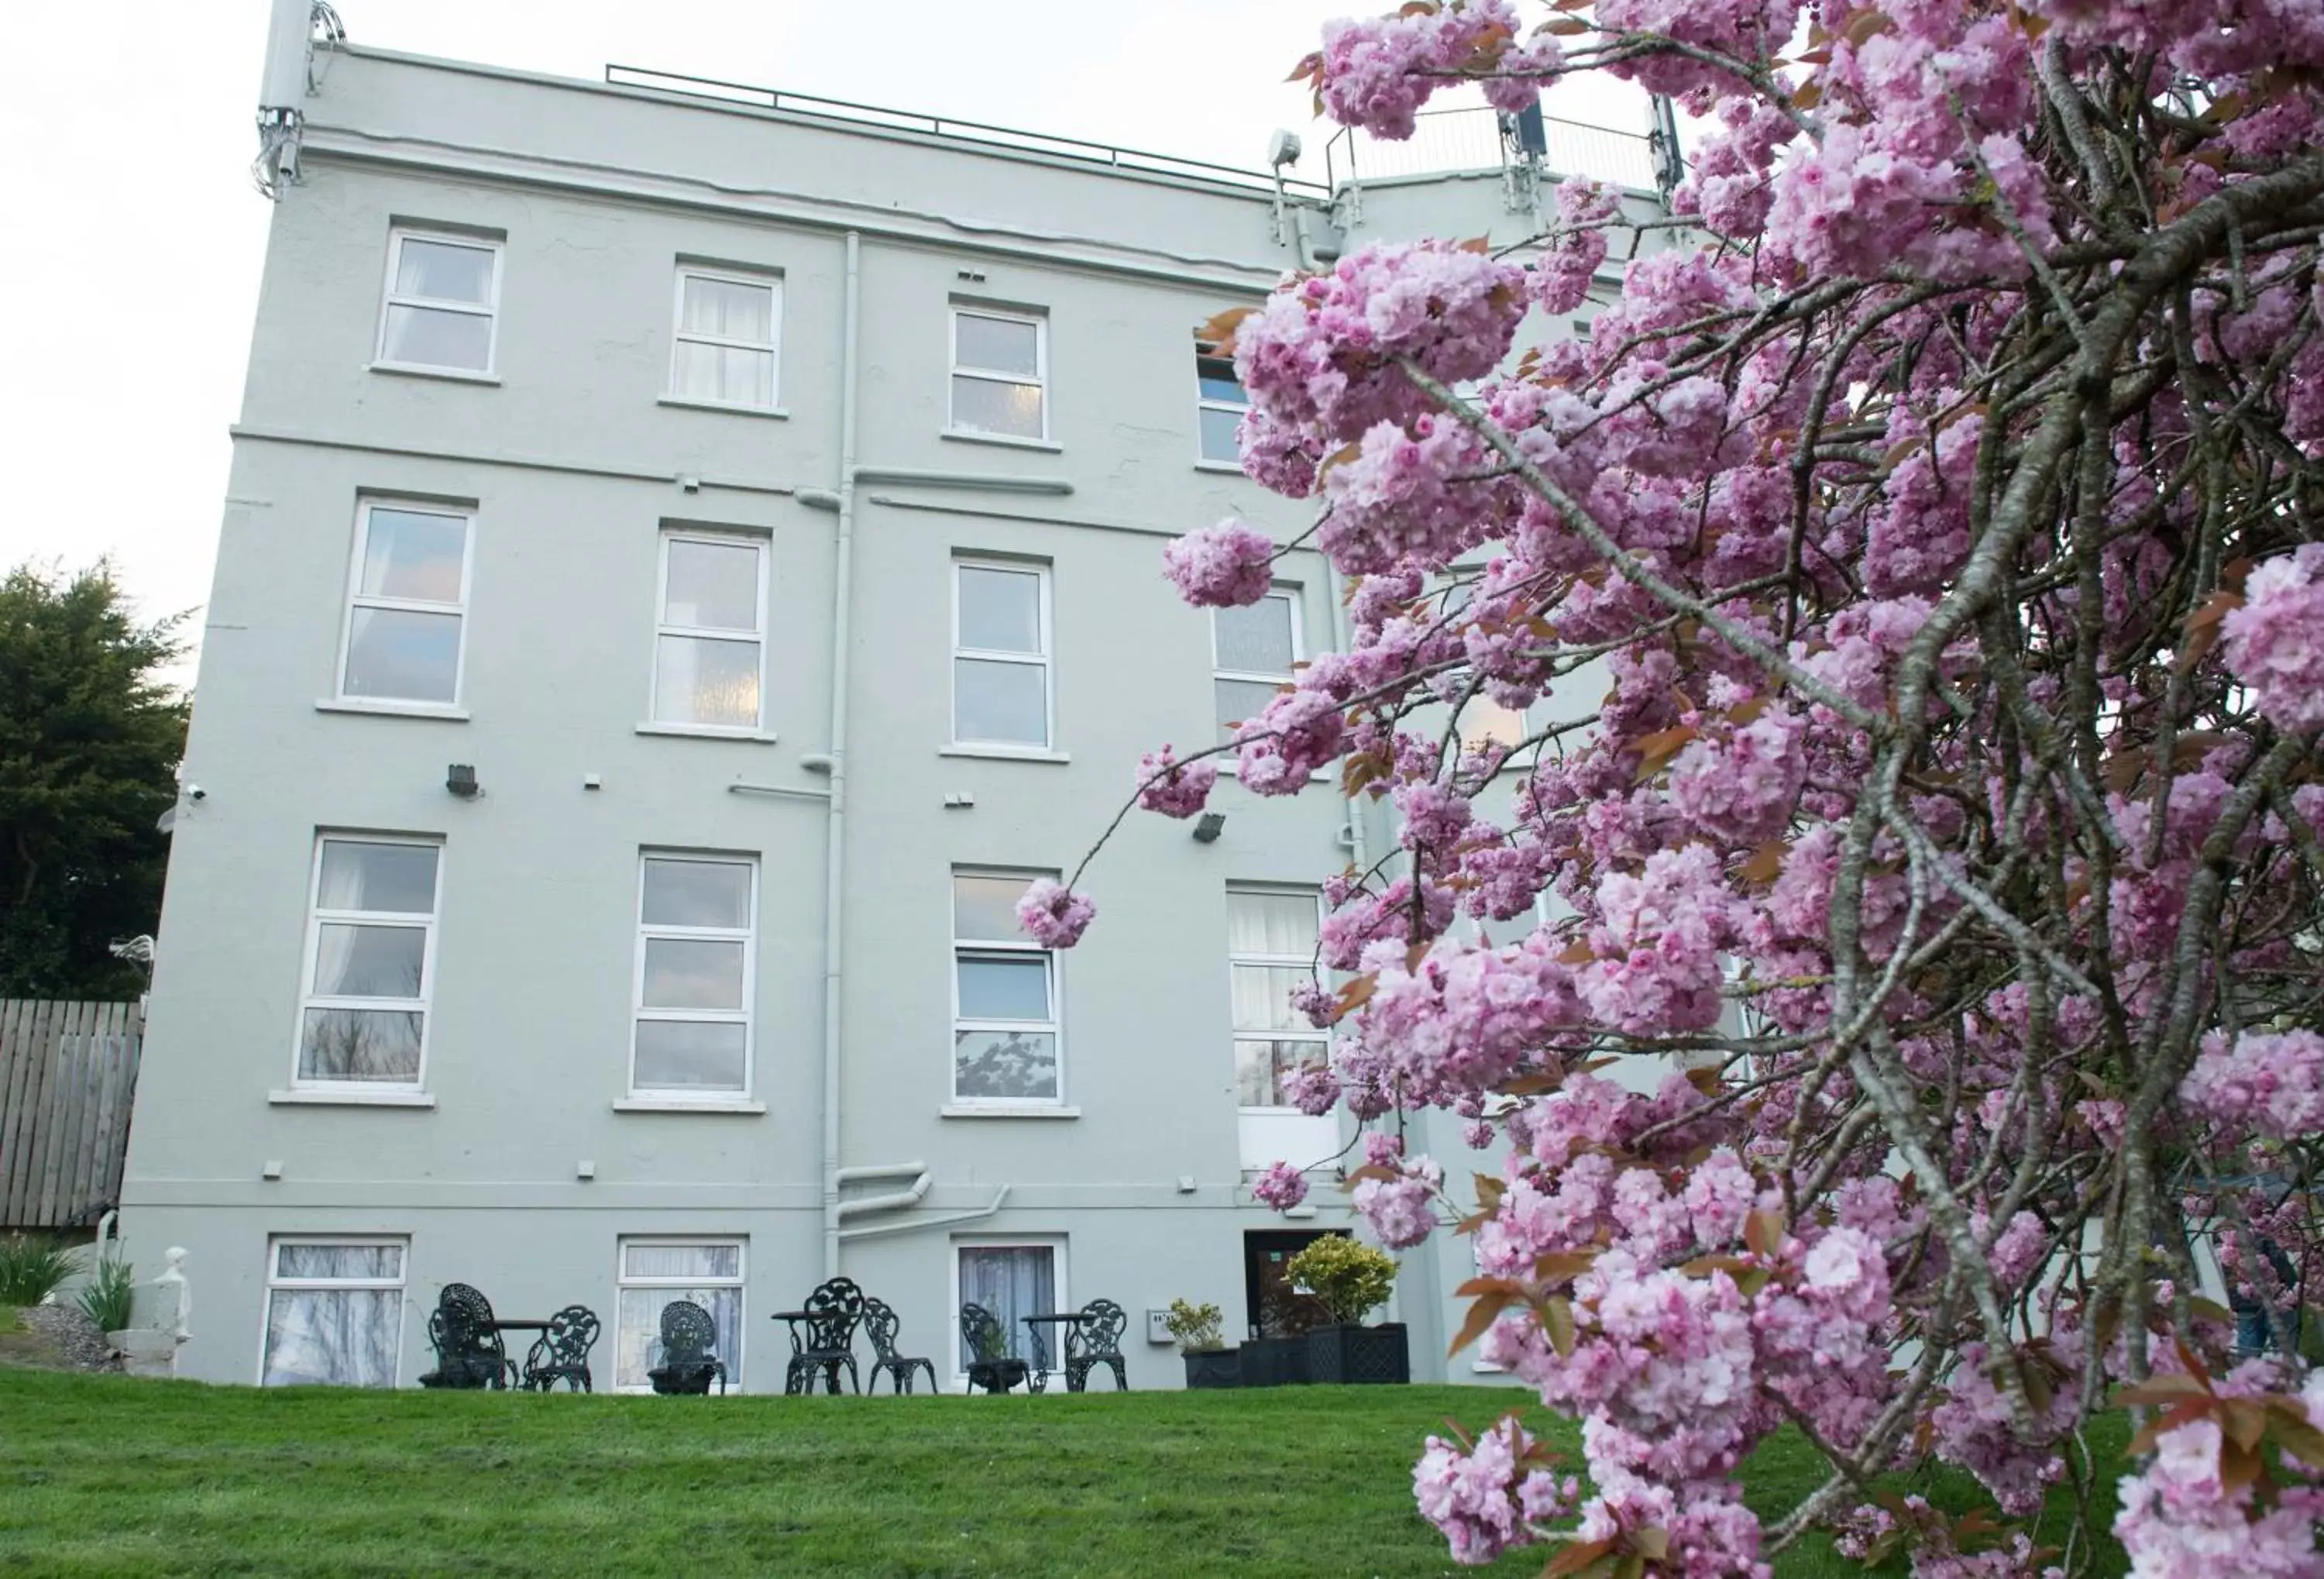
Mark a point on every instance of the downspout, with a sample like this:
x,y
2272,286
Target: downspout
x,y
834,935
915,1224
909,1196
1428,1320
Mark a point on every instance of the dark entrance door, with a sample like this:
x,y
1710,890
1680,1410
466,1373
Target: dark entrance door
x,y
1276,1311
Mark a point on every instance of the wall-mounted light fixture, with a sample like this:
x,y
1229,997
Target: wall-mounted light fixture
x,y
1209,827
460,779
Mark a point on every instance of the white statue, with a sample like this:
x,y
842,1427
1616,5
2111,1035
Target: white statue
x,y
173,1276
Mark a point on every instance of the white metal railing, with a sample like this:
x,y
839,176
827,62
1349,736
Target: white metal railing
x,y
951,127
1472,138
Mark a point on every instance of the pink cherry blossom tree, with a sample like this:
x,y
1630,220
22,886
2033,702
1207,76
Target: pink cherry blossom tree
x,y
1945,504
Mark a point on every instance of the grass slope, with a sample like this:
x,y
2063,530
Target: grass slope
x,y
103,1476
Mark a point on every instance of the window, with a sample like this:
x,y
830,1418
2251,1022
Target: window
x,y
1220,402
727,339
334,1312
708,655
1000,655
442,298
371,962
1004,996
1000,372
1270,951
407,610
696,975
656,1273
1012,1281
1255,647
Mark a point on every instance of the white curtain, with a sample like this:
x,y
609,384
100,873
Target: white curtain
x,y
1011,1281
1271,923
345,1337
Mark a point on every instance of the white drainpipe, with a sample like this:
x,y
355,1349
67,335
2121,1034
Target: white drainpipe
x,y
917,1171
834,935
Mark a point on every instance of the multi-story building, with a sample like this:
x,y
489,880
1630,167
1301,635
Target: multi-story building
x,y
691,557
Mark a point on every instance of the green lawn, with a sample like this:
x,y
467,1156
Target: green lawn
x,y
104,1475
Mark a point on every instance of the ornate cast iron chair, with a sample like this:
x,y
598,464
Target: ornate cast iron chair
x,y
828,1340
687,1336
1096,1340
991,1367
562,1352
469,1352
882,1323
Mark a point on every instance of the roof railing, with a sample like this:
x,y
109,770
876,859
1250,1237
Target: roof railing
x,y
977,133
1476,138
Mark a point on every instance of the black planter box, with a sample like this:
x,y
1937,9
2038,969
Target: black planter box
x,y
1274,1361
1213,1368
1359,1355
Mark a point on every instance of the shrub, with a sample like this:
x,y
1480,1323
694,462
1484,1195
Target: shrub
x,y
109,1296
31,1269
1351,1278
1195,1327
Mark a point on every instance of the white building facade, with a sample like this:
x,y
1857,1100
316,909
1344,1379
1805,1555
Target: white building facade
x,y
687,564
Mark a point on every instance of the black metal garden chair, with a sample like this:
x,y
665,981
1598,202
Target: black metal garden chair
x,y
469,1352
990,1366
561,1354
882,1323
1096,1340
823,1336
687,1338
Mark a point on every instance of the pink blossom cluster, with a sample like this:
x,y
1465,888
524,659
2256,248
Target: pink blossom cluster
x,y
1401,1211
1224,566
1053,915
1280,1186
1377,73
2262,1083
1173,788
2276,642
1321,355
1741,788
1499,1494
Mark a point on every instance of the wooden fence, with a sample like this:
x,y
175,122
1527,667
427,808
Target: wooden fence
x,y
67,1073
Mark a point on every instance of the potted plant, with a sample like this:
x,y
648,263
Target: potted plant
x,y
1277,1357
1352,1279
1209,1361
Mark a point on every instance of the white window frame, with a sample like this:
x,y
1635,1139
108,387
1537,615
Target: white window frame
x,y
1204,352
1292,595
318,918
957,369
764,547
741,1281
1045,660
747,935
679,334
969,947
357,598
274,1281
1305,962
390,298
1054,1244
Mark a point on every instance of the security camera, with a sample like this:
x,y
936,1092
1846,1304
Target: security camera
x,y
196,792
1282,149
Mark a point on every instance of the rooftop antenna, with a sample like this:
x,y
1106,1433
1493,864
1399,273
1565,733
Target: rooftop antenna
x,y
293,30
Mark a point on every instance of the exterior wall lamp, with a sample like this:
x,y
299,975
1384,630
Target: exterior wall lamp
x,y
1208,827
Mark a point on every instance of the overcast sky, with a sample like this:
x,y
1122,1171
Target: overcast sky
x,y
127,128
